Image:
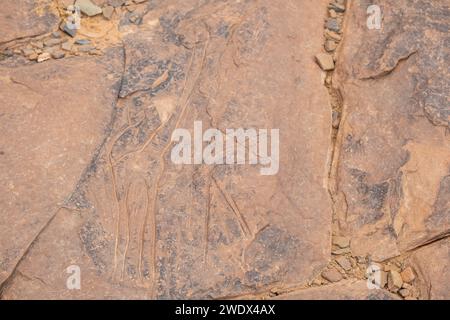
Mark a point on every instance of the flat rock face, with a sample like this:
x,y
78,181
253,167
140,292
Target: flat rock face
x,y
140,226
54,118
392,173
26,18
345,290
432,264
358,186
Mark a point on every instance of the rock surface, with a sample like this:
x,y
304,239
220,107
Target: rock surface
x,y
361,189
393,160
54,118
147,228
26,18
432,263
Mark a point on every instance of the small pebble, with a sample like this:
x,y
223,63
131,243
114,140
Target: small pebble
x,y
82,41
108,12
43,57
325,61
395,281
332,35
52,42
58,54
344,263
336,119
332,13
26,52
38,44
408,275
330,45
88,8
333,25
33,56
404,293
66,46
337,7
332,275
406,286
69,30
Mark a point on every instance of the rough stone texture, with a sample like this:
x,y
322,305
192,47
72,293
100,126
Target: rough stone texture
x,y
54,118
393,160
142,227
345,290
85,148
26,18
332,275
432,263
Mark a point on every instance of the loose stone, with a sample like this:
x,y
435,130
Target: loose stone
x,y
58,54
325,61
332,275
88,8
333,25
344,263
108,12
43,57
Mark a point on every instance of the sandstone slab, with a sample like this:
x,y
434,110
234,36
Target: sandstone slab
x,y
393,163
148,228
432,263
26,18
54,118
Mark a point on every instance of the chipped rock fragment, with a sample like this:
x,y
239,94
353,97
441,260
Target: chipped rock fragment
x,y
325,61
332,275
341,242
395,281
67,46
58,54
344,263
408,275
108,12
88,8
68,29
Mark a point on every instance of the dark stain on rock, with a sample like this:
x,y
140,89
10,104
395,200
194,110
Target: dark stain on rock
x,y
372,196
270,247
441,207
93,239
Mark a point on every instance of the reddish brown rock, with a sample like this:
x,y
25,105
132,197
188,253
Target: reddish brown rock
x,y
54,119
408,275
26,18
332,275
146,227
393,159
432,264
